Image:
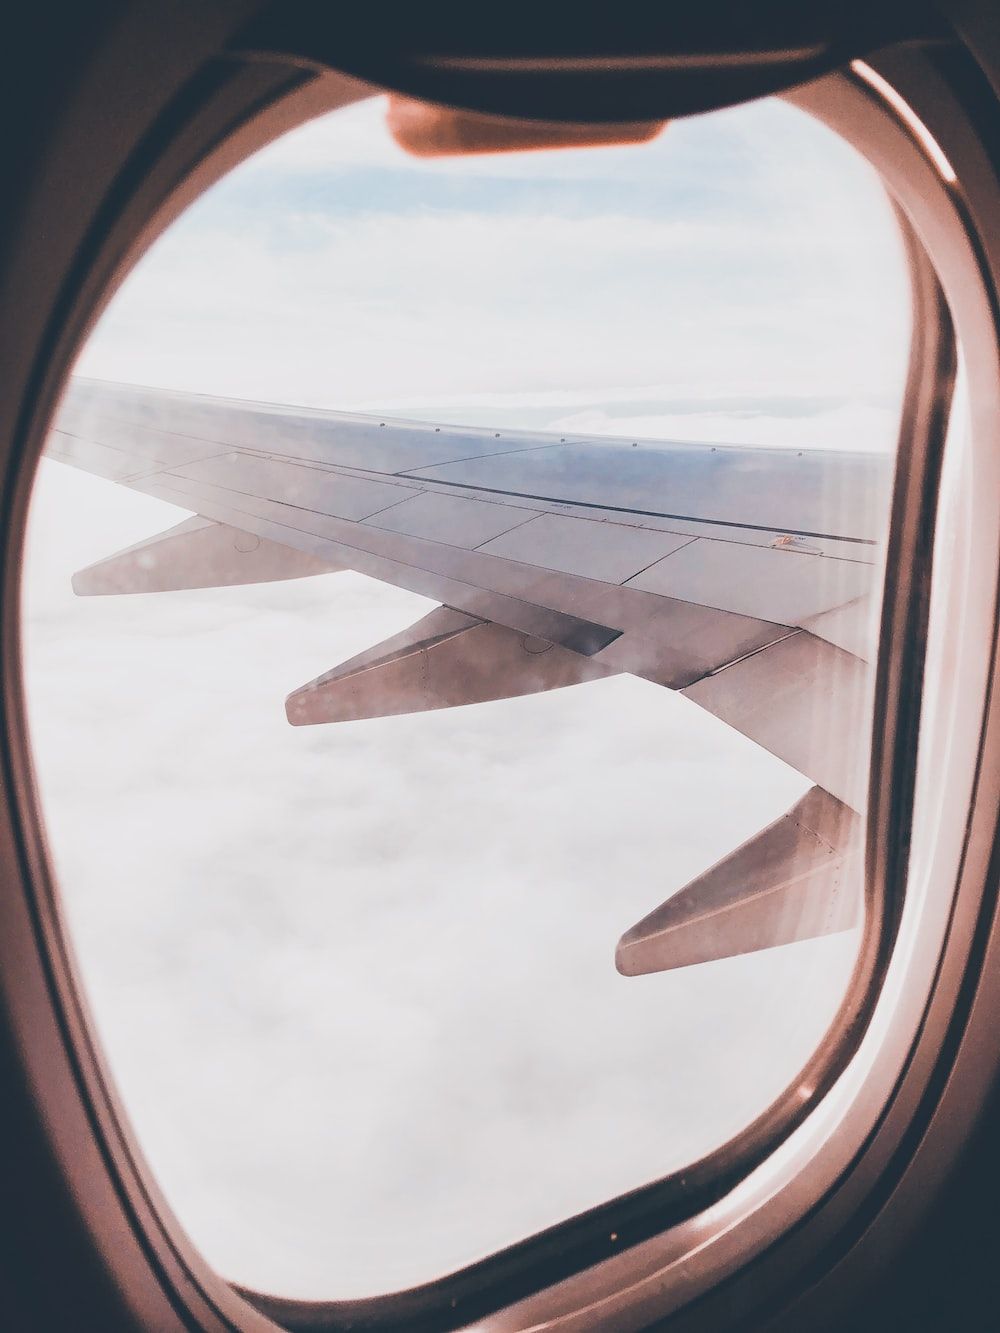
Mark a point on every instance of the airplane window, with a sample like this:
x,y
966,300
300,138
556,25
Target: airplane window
x,y
450,611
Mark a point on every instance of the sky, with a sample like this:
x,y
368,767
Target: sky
x,y
355,983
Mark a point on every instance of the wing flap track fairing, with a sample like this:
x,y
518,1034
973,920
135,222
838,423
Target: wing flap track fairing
x,y
797,879
446,659
198,553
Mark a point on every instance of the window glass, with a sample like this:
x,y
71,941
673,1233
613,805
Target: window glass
x,y
356,978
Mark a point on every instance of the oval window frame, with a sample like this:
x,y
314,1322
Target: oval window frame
x,y
203,1295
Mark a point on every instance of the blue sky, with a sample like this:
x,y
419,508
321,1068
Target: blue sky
x,y
390,944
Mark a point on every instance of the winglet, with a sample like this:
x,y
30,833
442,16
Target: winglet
x,y
445,659
799,878
198,553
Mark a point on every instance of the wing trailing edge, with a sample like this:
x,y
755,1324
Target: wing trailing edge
x,y
446,659
799,878
198,553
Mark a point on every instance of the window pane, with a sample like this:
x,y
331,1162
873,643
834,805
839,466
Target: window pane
x,y
356,978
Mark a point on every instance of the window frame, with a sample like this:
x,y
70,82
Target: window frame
x,y
127,1224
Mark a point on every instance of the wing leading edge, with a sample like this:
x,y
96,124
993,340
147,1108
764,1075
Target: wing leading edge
x,y
707,569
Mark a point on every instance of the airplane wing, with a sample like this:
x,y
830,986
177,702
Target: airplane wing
x,y
556,559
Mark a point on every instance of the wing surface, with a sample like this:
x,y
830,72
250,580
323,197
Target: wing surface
x,y
708,569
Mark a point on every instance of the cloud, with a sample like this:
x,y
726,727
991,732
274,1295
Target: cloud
x,y
793,285
863,426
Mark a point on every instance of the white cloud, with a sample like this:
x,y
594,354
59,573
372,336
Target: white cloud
x,y
363,308
854,427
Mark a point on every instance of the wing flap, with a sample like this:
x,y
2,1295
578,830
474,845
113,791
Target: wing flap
x,y
444,660
779,583
805,701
